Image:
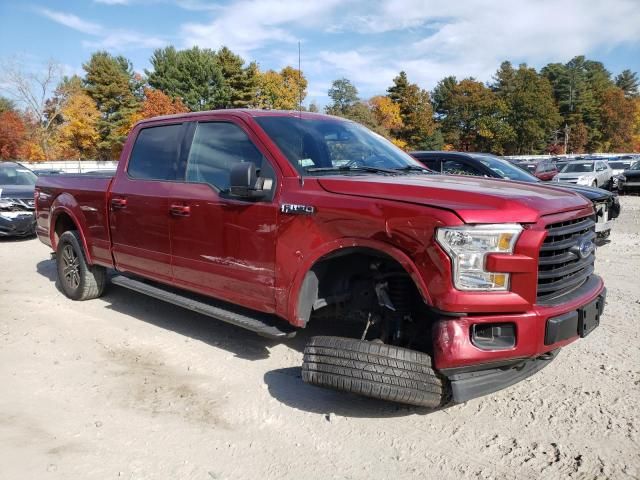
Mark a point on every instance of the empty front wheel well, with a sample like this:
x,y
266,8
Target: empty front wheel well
x,y
343,278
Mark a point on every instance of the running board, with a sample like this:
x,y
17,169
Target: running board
x,y
263,324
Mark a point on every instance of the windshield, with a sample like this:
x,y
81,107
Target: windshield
x,y
505,169
16,175
323,144
619,165
578,167
635,166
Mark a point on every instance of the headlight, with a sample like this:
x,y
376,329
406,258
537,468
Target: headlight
x,y
468,246
556,178
622,178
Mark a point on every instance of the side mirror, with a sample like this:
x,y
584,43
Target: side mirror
x,y
243,181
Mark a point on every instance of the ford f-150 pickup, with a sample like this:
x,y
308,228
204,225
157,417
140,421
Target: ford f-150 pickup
x,y
441,288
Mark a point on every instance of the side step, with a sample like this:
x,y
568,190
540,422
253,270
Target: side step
x,y
263,324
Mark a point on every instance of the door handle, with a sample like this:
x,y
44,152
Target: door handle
x,y
180,210
118,203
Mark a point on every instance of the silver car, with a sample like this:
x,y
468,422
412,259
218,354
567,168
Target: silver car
x,y
593,173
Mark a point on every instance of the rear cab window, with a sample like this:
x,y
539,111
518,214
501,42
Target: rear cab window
x,y
155,153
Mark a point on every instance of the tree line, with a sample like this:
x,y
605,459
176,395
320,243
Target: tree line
x,y
89,117
574,107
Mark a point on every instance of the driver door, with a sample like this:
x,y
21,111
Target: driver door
x,y
223,246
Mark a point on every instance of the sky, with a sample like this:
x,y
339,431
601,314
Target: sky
x,y
366,41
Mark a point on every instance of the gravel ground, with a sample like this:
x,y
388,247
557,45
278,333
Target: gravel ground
x,y
129,387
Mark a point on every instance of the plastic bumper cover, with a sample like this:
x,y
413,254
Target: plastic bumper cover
x,y
19,226
468,385
453,346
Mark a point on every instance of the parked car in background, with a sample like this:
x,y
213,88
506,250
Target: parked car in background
x,y
593,173
560,163
629,180
543,170
17,185
606,204
48,171
619,165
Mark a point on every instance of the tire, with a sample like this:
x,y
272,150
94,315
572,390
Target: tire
x,y
595,183
78,280
374,370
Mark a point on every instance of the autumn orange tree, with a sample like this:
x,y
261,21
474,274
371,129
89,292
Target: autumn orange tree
x,y
78,134
282,90
155,103
618,115
12,135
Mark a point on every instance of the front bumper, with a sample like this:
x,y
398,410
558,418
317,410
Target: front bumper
x,y
19,226
473,384
455,352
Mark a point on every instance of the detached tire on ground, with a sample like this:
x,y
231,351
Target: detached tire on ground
x,y
374,370
78,279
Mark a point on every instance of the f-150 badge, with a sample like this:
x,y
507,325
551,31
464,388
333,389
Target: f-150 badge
x,y
291,209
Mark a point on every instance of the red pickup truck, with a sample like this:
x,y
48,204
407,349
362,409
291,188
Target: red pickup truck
x,y
430,289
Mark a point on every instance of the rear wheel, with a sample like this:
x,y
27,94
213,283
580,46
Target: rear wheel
x,y
78,279
374,370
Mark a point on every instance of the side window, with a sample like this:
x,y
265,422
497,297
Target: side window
x,y
455,167
216,147
430,162
155,153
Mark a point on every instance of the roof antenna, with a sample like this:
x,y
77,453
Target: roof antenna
x,y
301,177
299,84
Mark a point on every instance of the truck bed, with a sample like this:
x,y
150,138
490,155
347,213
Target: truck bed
x,y
81,198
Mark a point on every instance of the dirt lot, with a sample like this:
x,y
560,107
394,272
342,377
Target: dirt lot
x,y
129,387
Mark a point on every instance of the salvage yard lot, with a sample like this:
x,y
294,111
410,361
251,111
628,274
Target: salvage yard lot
x,y
129,387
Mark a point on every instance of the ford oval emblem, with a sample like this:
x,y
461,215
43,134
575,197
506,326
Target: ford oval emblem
x,y
585,248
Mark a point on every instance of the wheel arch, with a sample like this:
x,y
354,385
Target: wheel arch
x,y
304,289
64,219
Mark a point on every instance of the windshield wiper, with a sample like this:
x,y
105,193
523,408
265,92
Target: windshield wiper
x,y
346,168
414,168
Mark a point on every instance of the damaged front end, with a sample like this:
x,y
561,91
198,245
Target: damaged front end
x,y
17,217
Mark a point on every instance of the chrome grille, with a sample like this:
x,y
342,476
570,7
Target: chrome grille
x,y
561,267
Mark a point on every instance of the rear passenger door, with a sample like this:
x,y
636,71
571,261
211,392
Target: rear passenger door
x,y
138,202
224,246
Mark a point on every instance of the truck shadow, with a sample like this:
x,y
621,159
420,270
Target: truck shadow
x,y
239,342
284,384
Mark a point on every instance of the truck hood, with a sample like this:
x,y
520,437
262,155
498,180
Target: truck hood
x,y
474,200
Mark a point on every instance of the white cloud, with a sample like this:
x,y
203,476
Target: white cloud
x,y
116,39
122,40
72,21
246,25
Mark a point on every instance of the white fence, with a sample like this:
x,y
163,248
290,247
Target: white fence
x,y
72,166
569,157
